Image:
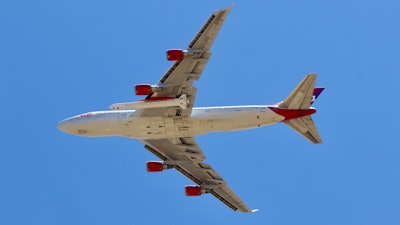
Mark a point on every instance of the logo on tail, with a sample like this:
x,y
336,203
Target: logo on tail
x,y
317,92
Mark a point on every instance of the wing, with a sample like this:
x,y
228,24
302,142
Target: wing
x,y
179,78
185,155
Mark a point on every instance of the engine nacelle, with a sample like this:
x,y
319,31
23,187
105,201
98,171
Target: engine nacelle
x,y
154,166
193,190
143,89
176,54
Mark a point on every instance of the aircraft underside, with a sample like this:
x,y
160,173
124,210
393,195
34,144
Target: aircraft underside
x,y
204,120
166,122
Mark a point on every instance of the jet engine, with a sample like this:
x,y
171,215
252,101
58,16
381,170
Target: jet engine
x,y
156,166
176,54
144,89
179,54
153,166
193,190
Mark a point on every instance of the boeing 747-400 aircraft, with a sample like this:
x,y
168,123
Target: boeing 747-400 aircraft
x,y
166,122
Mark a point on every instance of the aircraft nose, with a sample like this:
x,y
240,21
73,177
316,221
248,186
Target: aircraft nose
x,y
76,125
65,125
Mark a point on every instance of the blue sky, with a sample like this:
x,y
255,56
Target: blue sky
x,y
62,58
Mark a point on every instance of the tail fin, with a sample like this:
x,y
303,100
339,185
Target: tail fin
x,y
301,98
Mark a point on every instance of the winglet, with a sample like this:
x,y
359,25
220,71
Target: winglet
x,y
254,210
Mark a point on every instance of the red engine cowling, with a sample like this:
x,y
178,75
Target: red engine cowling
x,y
143,89
154,166
175,54
192,190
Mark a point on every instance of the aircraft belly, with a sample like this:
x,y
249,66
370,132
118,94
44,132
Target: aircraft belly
x,y
238,120
209,120
162,127
107,127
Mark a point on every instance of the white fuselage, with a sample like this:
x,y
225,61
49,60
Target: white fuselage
x,y
203,120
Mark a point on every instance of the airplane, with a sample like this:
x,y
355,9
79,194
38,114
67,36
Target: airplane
x,y
166,122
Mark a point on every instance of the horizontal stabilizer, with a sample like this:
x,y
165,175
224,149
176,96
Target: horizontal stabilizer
x,y
305,126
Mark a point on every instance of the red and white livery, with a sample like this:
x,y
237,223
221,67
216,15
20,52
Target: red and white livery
x,y
166,122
